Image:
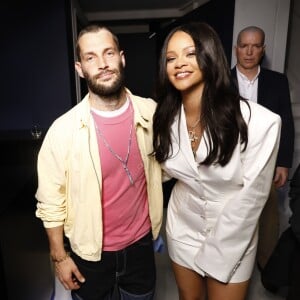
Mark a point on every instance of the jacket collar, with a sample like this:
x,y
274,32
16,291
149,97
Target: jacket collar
x,y
142,116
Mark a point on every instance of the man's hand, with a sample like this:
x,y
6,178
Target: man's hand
x,y
68,274
281,176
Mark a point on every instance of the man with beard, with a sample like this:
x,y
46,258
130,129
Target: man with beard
x,y
99,186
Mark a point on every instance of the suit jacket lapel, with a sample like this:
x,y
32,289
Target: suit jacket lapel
x,y
261,87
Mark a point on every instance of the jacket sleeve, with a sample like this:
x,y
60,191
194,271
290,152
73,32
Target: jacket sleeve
x,y
51,206
224,248
286,147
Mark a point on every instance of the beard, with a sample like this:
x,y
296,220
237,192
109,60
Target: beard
x,y
107,91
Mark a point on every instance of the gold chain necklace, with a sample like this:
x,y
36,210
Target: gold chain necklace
x,y
193,137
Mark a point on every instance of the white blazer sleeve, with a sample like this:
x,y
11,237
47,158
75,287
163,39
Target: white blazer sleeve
x,y
225,247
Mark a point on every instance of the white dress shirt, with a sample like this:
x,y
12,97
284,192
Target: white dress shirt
x,y
248,88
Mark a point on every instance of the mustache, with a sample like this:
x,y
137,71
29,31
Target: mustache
x,y
106,72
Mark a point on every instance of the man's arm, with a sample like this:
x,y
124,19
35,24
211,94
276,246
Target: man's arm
x,y
286,148
65,268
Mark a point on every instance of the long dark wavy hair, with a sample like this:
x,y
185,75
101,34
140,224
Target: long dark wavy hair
x,y
221,116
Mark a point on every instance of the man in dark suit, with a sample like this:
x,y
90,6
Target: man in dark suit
x,y
270,89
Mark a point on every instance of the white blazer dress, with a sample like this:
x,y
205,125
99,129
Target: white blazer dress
x,y
213,211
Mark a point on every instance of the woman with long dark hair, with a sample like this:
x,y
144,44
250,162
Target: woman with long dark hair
x,y
222,151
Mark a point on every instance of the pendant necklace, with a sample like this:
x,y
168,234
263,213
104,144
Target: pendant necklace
x,y
124,162
193,136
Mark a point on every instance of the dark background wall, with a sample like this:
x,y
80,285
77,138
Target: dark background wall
x,y
140,55
35,71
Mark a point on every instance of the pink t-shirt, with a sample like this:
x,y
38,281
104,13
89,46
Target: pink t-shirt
x,y
125,204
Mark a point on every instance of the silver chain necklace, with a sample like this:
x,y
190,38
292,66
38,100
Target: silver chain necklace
x,y
124,162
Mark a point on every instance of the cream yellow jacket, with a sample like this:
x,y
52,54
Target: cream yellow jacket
x,y
70,180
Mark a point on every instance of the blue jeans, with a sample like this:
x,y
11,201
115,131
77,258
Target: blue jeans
x,y
127,274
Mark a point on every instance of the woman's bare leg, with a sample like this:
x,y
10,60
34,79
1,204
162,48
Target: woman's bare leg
x,y
191,286
217,290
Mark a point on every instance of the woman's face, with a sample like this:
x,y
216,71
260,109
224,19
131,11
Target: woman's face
x,y
182,68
